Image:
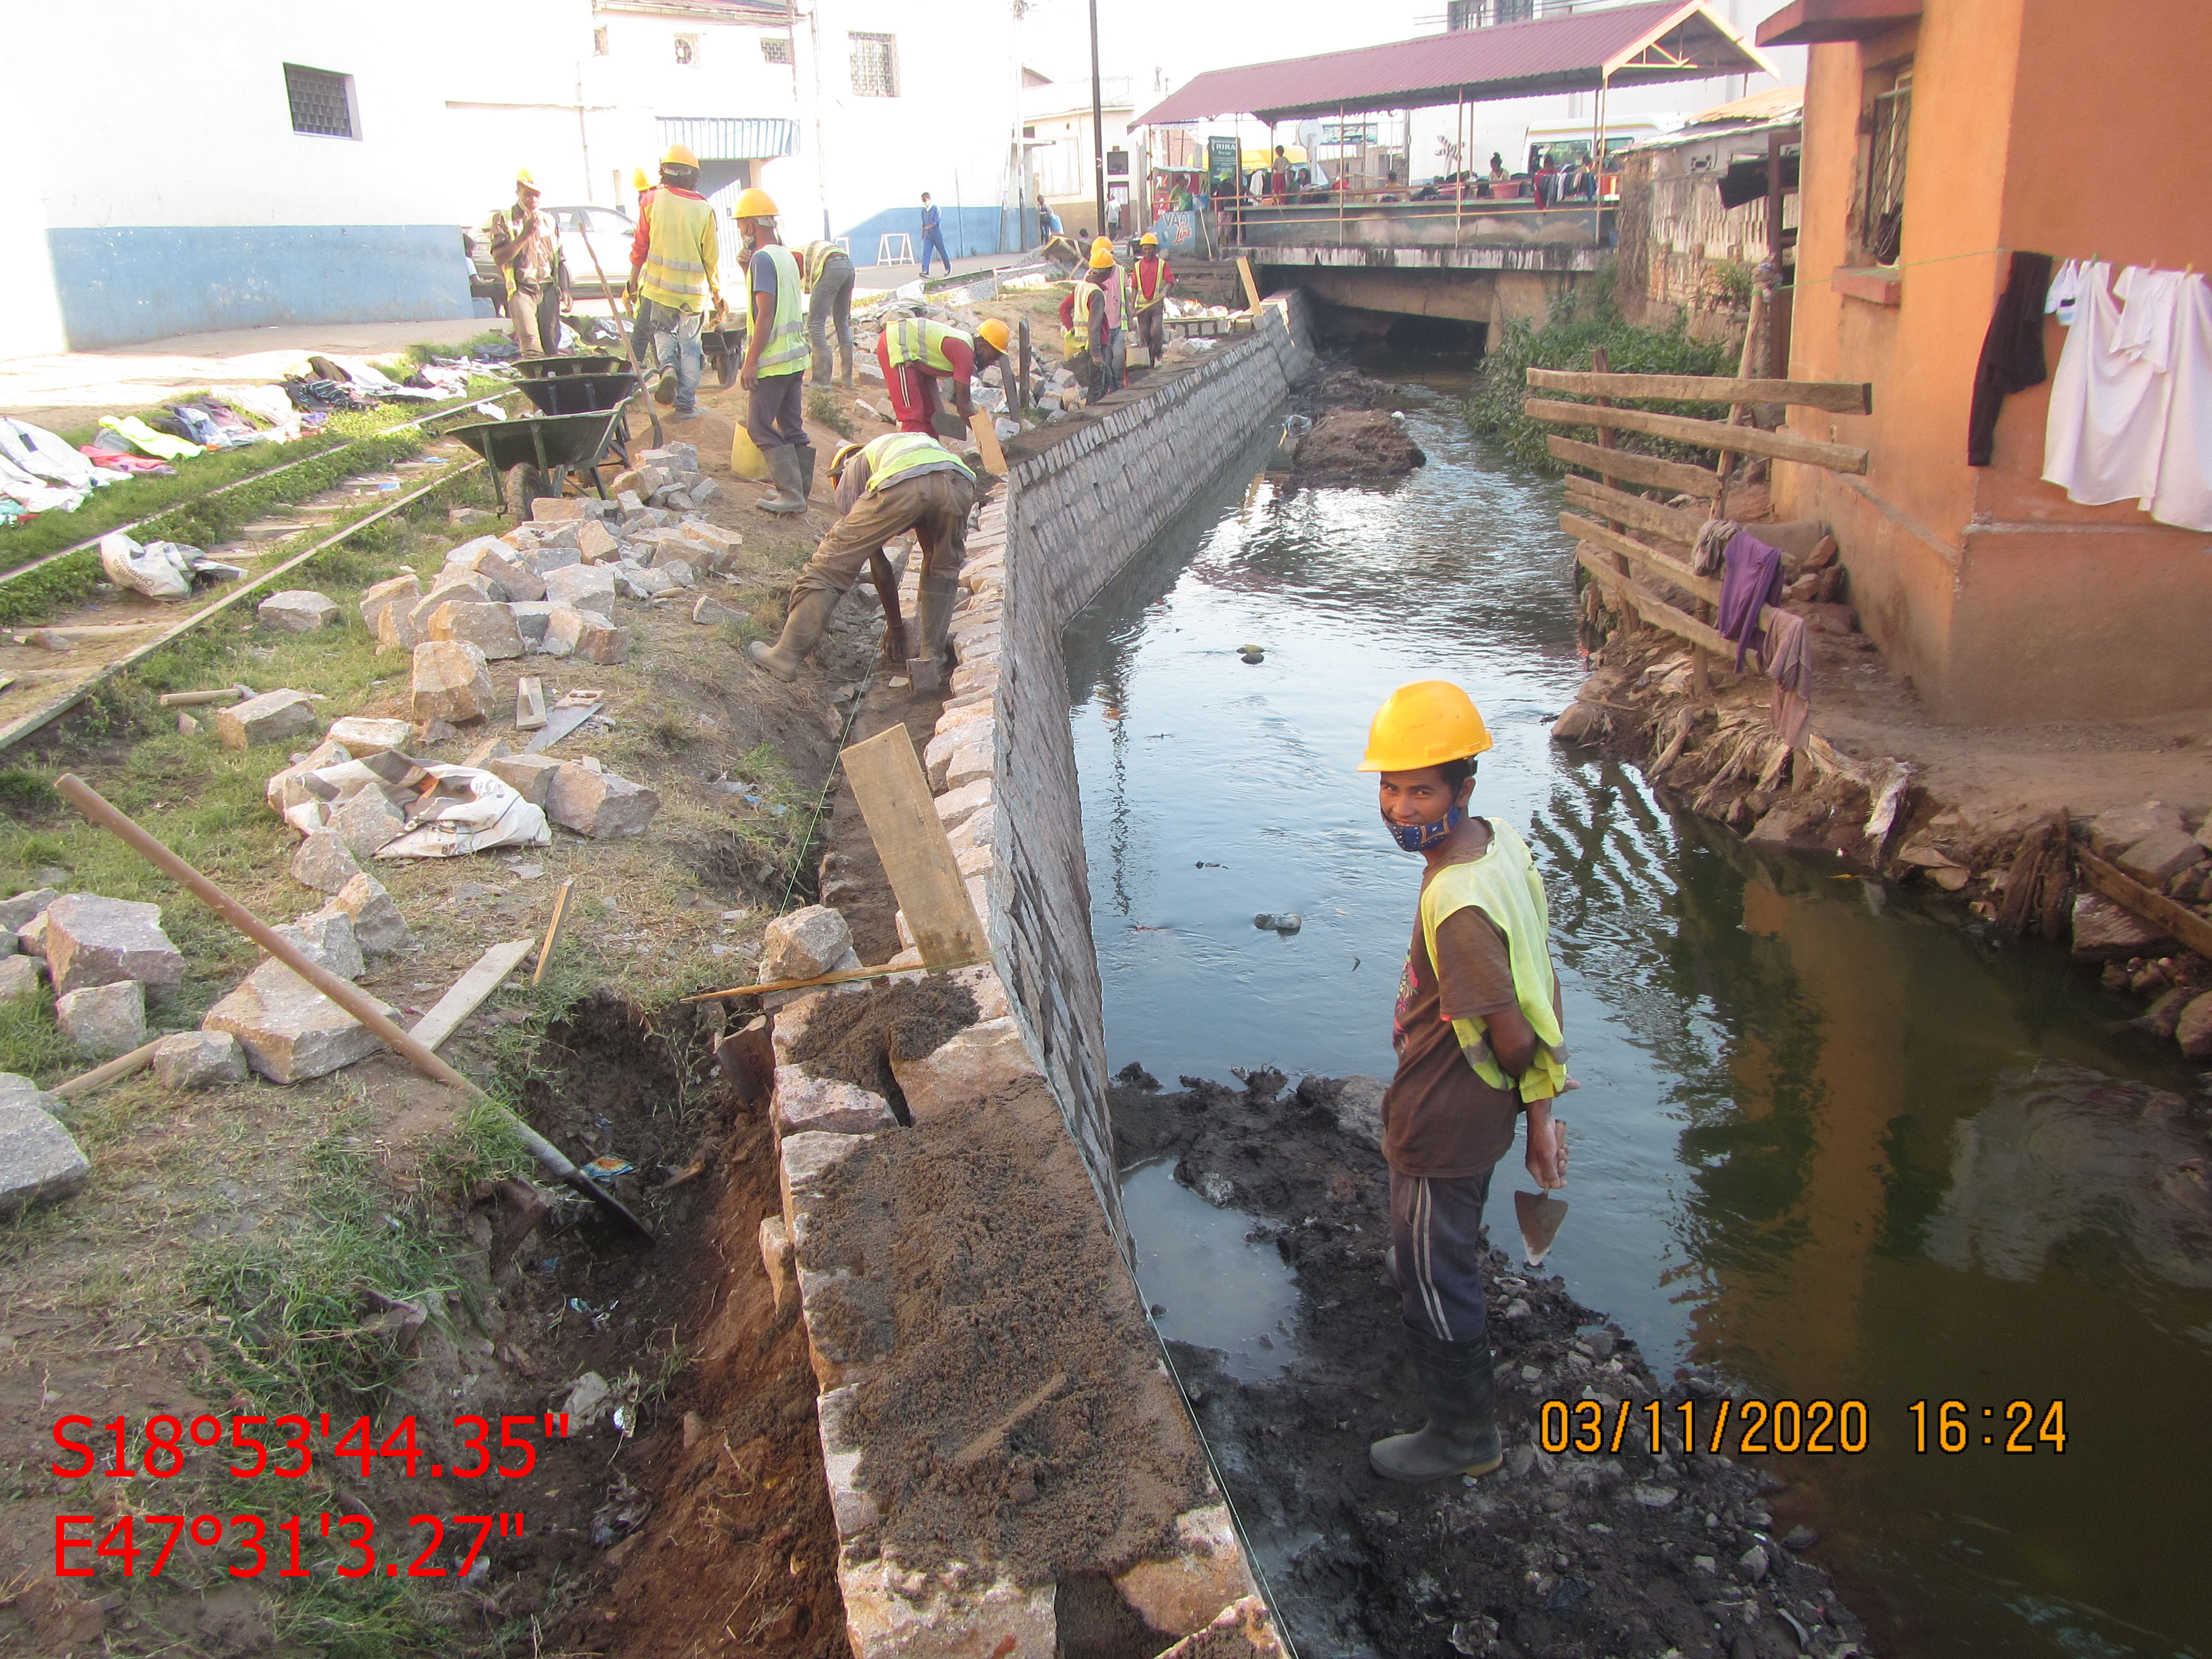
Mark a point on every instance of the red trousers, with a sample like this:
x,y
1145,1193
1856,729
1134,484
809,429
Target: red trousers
x,y
913,390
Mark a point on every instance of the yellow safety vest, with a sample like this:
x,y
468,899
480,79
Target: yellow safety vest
x,y
1502,884
785,351
917,340
1077,336
813,257
896,452
1147,300
681,252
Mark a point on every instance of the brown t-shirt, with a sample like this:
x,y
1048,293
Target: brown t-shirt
x,y
1439,1118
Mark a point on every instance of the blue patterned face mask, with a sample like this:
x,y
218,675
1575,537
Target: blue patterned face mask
x,y
1419,837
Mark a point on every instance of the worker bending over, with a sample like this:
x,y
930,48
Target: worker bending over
x,y
526,247
826,270
916,354
775,371
1149,284
1477,1034
674,276
1090,323
900,482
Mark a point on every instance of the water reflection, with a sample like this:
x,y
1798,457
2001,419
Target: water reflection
x,y
1823,1140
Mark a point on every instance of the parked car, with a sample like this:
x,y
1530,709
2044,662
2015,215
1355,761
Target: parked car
x,y
584,231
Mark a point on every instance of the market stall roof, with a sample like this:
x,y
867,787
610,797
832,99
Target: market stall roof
x,y
1621,46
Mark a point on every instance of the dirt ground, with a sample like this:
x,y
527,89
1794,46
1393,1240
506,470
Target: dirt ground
x,y
1570,1556
1353,445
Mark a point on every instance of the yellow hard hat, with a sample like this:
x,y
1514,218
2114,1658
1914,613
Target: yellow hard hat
x,y
1097,242
1423,723
754,203
1102,255
679,155
839,461
995,331
1148,241
522,177
637,179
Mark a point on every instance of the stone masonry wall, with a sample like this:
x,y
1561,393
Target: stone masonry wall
x,y
1075,514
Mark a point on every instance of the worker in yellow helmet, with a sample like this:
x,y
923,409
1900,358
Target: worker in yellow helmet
x,y
1149,284
917,355
641,336
1093,316
526,247
675,276
775,370
1478,1038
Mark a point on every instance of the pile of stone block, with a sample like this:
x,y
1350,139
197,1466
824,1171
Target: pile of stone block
x,y
283,1027
107,959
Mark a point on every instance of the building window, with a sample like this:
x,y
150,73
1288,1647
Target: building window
x,y
1117,163
776,48
321,102
875,65
1881,222
600,47
687,48
1481,14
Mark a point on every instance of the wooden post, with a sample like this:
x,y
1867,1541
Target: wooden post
x,y
1021,408
1251,283
1726,463
1777,313
894,796
1599,364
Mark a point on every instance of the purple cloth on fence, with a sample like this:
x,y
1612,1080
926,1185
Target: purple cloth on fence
x,y
1751,578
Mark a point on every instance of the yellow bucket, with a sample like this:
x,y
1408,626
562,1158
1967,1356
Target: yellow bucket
x,y
745,459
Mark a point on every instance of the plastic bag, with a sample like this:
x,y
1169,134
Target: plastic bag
x,y
471,811
160,570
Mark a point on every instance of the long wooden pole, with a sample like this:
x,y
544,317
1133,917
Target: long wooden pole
x,y
344,993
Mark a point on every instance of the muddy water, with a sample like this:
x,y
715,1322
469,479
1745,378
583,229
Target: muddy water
x,y
1824,1141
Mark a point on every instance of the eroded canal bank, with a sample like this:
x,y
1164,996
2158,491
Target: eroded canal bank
x,y
1826,1144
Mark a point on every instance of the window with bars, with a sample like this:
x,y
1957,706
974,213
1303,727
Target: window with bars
x,y
775,49
875,65
1882,224
322,102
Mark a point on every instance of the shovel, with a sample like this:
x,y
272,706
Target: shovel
x,y
1540,1215
347,995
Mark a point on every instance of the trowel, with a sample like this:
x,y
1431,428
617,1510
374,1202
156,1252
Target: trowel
x,y
1540,1215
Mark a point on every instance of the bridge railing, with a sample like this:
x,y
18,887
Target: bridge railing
x,y
1465,224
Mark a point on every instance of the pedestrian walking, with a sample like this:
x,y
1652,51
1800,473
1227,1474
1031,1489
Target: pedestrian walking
x,y
774,372
933,236
675,277
1478,1038
900,482
526,247
827,271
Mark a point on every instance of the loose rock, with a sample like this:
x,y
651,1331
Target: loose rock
x,y
2193,1031
599,804
290,1032
487,625
103,1021
365,820
91,940
363,736
586,635
198,1060
804,943
17,913
297,610
19,977
580,584
529,776
325,862
405,591
451,682
39,1161
272,717
378,926
325,939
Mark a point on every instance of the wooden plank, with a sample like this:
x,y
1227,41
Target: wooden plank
x,y
843,976
1669,521
887,780
987,440
1838,397
1251,283
1653,609
1707,588
559,722
2153,907
1709,434
1701,482
468,991
101,1076
561,896
530,703
194,699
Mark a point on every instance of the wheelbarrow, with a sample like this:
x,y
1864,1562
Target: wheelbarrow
x,y
538,368
725,348
536,454
579,394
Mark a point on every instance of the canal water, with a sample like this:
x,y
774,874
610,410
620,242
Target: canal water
x,y
1826,1141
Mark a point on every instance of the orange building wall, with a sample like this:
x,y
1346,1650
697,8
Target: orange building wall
x,y
2037,125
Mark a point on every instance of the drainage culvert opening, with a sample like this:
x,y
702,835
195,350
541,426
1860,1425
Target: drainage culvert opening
x,y
1436,337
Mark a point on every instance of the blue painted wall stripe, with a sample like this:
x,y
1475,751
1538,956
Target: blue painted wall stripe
x,y
134,283
968,230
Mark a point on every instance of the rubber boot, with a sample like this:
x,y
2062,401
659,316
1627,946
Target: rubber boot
x,y
933,616
806,472
1461,1437
845,356
802,631
790,496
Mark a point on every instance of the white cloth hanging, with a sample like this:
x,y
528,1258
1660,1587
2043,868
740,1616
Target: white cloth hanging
x,y
2065,290
2107,423
2184,492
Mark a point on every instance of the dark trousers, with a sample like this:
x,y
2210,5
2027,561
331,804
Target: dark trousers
x,y
1435,1233
773,411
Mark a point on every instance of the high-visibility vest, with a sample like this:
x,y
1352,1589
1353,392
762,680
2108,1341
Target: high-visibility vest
x,y
815,255
896,452
917,340
1503,884
785,350
681,251
1077,336
1147,297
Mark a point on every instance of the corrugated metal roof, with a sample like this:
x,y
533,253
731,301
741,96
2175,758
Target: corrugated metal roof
x,y
1630,46
731,137
1760,107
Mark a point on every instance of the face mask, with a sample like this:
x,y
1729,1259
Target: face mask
x,y
1419,837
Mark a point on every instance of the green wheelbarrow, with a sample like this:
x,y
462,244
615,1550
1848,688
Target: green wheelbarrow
x,y
538,454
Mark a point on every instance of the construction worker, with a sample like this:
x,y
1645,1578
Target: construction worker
x,y
526,247
641,337
775,371
1478,1038
1089,320
915,354
900,482
675,276
1149,283
1115,289
827,271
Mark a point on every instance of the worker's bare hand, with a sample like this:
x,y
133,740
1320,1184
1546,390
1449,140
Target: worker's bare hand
x,y
748,376
1547,1152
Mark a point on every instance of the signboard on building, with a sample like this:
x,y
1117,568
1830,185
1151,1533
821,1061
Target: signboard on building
x,y
1221,163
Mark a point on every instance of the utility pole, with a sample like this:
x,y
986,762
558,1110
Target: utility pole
x,y
1097,126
